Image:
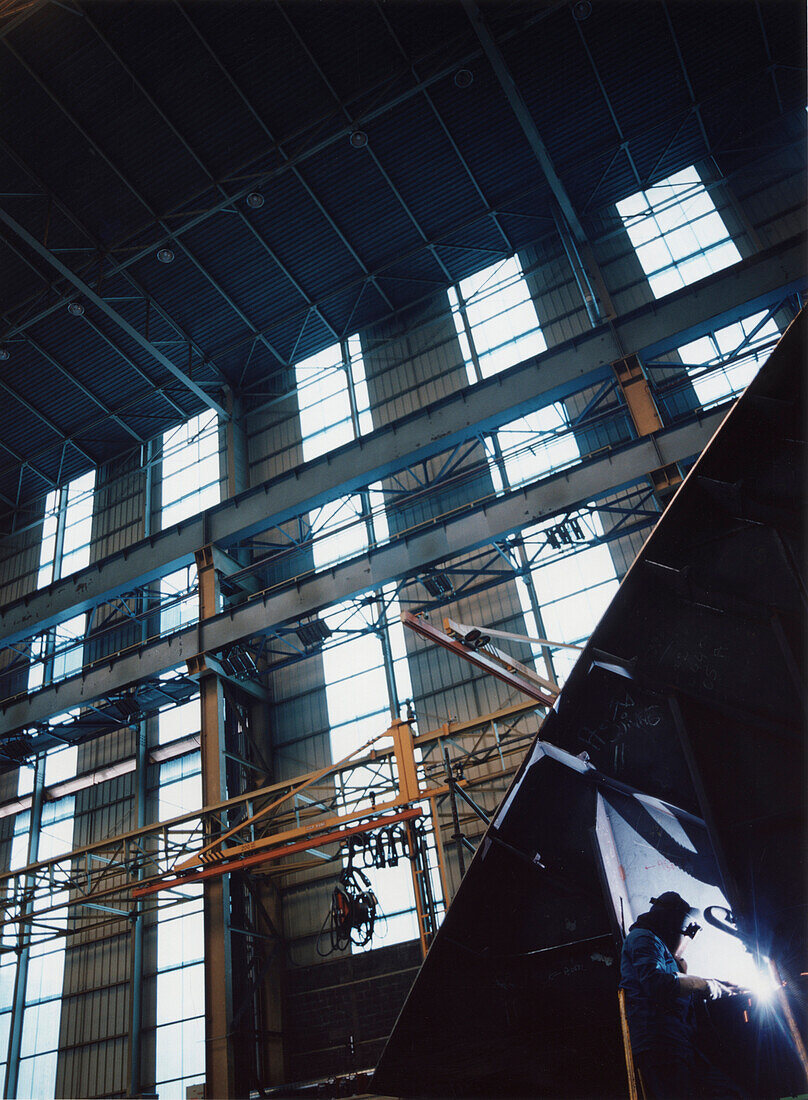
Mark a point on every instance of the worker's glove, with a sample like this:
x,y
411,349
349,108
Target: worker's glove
x,y
716,989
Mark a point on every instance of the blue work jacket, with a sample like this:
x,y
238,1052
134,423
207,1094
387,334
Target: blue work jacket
x,y
659,1017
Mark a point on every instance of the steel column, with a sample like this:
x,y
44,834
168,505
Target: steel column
x,y
23,940
220,1070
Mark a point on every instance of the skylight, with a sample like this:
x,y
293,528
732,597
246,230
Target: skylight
x,y
678,234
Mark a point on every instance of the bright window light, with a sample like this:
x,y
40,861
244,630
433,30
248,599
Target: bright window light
x,y
497,326
332,398
677,233
334,407
189,482
725,362
190,468
493,309
573,590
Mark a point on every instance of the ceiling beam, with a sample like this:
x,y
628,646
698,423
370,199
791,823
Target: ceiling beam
x,y
564,369
624,145
524,118
447,133
100,251
144,203
284,155
115,417
405,556
87,292
351,122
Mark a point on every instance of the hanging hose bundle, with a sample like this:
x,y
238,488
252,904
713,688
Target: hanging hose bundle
x,y
351,915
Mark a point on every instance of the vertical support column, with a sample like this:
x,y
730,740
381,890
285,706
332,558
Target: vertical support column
x,y
24,938
238,469
219,1049
141,774
409,790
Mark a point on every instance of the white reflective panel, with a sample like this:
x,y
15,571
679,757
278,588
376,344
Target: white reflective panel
x,y
665,282
37,1076
537,444
190,468
61,765
56,831
393,929
180,1051
40,1029
343,517
324,384
181,797
8,969
573,572
178,722
344,739
573,618
722,380
78,524
180,937
177,1090
68,643
45,975
180,993
180,592
364,693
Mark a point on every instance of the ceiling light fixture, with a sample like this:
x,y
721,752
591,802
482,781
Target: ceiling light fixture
x,y
581,10
254,200
165,255
76,309
463,78
5,354
358,139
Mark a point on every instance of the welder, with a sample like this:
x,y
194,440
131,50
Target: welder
x,y
660,1005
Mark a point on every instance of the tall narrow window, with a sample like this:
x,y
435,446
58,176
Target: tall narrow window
x,y
190,482
64,549
496,321
334,409
497,327
574,585
678,234
180,972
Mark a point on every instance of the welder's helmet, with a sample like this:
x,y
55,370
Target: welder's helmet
x,y
674,904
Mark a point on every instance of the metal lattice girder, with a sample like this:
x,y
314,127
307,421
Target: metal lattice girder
x,y
91,296
657,327
404,556
524,118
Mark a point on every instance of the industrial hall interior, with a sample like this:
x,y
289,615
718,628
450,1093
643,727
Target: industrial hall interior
x,y
402,566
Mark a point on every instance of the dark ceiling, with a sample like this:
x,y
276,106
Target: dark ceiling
x,y
131,126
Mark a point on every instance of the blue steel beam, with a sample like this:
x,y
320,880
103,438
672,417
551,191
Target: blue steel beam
x,y
408,555
538,382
